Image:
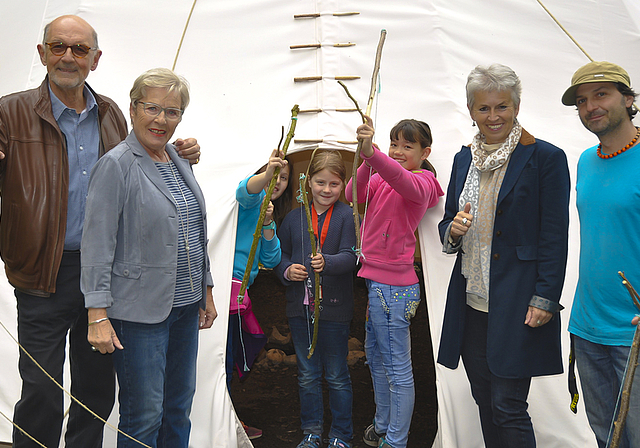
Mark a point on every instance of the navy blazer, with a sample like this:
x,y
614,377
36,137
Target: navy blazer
x,y
528,257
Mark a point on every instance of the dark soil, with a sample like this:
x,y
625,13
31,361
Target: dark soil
x,y
268,397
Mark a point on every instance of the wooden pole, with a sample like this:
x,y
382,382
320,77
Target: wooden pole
x,y
632,363
354,172
317,298
265,204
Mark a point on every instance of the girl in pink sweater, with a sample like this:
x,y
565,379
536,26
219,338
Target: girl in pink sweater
x,y
398,195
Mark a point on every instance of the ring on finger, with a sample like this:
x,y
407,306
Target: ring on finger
x,y
539,322
94,349
464,221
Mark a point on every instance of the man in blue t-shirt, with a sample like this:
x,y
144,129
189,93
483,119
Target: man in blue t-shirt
x,y
608,201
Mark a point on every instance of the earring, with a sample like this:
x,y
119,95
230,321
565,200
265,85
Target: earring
x,y
474,123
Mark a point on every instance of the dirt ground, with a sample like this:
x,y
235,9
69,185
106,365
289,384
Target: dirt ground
x,y
268,398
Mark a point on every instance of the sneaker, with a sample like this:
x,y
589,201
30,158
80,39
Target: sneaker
x,y
252,433
310,441
383,443
371,437
337,443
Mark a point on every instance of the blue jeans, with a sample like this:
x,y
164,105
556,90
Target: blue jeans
x,y
156,373
601,369
502,402
388,348
330,353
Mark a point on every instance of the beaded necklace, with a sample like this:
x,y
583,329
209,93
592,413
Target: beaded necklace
x,y
620,151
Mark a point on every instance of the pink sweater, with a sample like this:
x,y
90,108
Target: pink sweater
x,y
398,200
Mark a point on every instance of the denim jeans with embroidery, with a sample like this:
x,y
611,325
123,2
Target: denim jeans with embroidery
x,y
388,349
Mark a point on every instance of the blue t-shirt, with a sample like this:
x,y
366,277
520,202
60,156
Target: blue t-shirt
x,y
608,200
268,251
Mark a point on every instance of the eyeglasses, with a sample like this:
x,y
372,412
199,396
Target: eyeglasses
x,y
153,110
78,50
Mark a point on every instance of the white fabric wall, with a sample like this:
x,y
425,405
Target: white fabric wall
x,y
236,56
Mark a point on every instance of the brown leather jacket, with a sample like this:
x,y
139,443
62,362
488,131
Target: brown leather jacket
x,y
34,184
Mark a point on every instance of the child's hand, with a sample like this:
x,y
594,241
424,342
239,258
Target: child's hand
x,y
297,273
269,216
365,134
317,262
276,160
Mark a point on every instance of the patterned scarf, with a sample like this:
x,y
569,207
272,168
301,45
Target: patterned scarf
x,y
476,259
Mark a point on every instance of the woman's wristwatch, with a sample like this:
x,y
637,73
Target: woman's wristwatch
x,y
270,226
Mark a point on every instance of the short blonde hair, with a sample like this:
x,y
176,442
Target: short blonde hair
x,y
330,161
162,78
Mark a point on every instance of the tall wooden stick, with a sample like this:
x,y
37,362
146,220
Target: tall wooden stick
x,y
265,204
354,172
632,363
317,298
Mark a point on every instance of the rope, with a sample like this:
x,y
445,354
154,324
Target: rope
x,y
184,32
565,31
571,37
22,430
66,392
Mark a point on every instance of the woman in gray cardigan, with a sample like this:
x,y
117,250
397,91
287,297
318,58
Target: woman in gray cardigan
x,y
145,269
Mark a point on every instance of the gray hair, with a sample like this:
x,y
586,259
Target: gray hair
x,y
162,78
496,77
94,35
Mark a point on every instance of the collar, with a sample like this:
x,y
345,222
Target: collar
x,y
58,107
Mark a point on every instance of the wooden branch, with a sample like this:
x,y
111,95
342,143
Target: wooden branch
x,y
320,78
307,78
317,14
295,47
354,172
306,141
307,16
318,45
632,363
376,70
317,299
263,209
281,137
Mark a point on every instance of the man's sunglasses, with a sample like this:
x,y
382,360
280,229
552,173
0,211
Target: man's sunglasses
x,y
78,50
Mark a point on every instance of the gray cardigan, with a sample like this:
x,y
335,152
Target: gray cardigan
x,y
129,249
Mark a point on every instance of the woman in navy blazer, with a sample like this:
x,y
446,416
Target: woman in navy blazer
x,y
506,217
145,269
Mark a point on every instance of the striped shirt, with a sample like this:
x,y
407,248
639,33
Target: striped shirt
x,y
189,278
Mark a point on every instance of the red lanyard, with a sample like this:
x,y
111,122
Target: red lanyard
x,y
325,224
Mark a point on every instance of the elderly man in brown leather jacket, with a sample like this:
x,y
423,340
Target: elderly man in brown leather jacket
x,y
50,138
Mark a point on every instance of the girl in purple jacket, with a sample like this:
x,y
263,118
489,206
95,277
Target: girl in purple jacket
x,y
398,195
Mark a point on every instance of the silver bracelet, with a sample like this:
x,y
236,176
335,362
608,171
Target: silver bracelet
x,y
98,321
